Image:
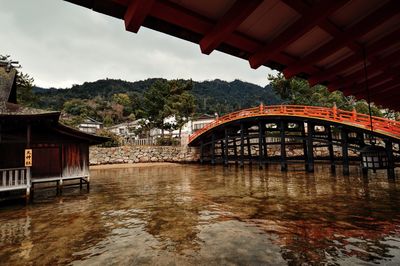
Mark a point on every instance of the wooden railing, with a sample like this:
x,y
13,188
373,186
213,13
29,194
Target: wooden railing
x,y
379,124
14,178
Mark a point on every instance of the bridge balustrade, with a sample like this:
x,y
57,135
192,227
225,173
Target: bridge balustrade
x,y
382,125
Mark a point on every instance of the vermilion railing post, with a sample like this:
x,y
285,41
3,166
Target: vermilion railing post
x,y
261,108
353,114
334,111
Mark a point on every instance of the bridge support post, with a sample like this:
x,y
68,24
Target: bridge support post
x,y
235,153
265,146
261,140
330,149
304,140
345,151
241,144
310,147
361,143
283,147
389,150
222,146
213,149
226,147
202,151
249,147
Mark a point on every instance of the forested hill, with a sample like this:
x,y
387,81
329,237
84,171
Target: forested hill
x,y
211,96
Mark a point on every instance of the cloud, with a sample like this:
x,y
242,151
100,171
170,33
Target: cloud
x,y
60,44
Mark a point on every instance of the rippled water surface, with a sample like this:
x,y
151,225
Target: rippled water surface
x,y
189,214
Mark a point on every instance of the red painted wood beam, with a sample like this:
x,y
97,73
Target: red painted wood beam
x,y
345,38
391,96
376,65
229,22
184,18
386,87
309,19
301,7
356,58
136,13
374,82
383,91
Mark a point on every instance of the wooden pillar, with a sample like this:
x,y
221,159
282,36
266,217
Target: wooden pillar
x,y
265,146
235,153
226,153
213,148
304,140
310,147
249,147
330,149
389,150
345,152
361,143
241,144
201,151
60,186
28,168
28,136
221,145
260,144
283,147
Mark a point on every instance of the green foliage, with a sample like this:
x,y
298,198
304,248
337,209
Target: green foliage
x,y
168,98
155,104
25,95
297,91
77,107
182,102
163,141
209,96
114,140
72,121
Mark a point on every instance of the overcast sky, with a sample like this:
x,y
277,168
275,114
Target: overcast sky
x,y
60,44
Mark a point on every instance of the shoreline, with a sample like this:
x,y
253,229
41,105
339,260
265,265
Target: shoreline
x,y
131,165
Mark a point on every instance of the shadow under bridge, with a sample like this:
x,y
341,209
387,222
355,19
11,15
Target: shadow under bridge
x,y
295,134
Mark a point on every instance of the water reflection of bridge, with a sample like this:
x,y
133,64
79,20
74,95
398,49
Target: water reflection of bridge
x,y
299,133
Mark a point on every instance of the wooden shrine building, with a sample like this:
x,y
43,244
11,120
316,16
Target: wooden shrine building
x,y
35,147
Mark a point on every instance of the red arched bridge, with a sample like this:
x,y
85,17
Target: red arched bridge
x,y
284,133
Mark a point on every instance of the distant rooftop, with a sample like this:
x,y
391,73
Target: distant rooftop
x,y
8,109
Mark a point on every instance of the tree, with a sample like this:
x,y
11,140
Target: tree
x,y
25,95
168,98
182,102
124,100
156,104
297,91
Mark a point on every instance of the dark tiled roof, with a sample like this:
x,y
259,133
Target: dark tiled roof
x,y
8,109
6,83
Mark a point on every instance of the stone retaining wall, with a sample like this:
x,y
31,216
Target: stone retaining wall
x,y
141,154
136,154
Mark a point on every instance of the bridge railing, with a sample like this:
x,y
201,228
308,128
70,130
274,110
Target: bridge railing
x,y
333,114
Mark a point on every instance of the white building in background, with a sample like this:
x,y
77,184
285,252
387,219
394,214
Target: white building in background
x,y
89,125
189,128
202,121
128,131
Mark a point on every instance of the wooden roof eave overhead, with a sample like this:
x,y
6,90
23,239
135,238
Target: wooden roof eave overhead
x,y
320,40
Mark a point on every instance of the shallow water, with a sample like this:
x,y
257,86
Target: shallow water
x,y
189,214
